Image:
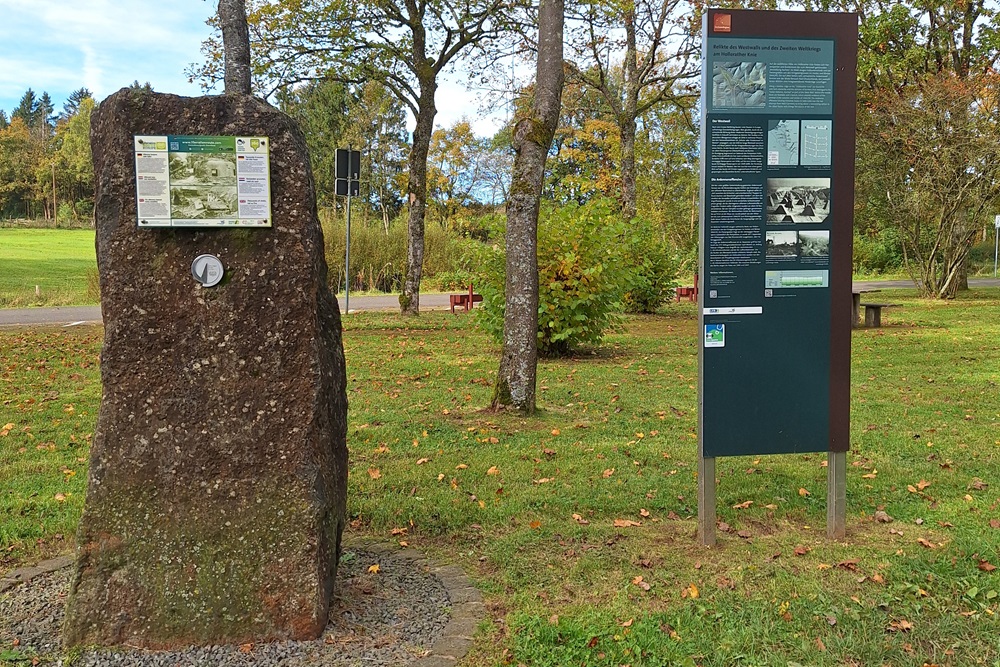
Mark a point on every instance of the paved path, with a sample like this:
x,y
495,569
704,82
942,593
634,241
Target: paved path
x,y
79,315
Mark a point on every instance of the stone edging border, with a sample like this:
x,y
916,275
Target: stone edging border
x,y
467,607
26,574
453,644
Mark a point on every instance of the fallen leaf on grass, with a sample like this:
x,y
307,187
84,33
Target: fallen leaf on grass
x,y
628,623
823,566
878,578
986,566
398,531
801,550
420,462
883,517
246,648
900,626
644,513
374,473
493,471
608,473
543,480
927,544
535,525
580,520
849,564
554,619
461,466
60,497
994,523
978,485
374,569
690,592
745,534
7,428
555,431
871,475
626,523
804,493
638,581
743,505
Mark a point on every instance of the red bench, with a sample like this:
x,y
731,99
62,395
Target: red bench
x,y
690,292
464,300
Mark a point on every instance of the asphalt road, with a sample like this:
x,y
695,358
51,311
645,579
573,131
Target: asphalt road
x,y
79,315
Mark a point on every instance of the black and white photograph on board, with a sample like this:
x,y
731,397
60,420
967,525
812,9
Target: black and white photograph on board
x,y
781,244
798,200
814,243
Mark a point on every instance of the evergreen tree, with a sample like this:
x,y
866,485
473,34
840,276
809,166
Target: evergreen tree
x,y
26,108
3,120
72,104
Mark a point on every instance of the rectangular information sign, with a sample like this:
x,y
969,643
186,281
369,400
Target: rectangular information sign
x,y
777,188
202,181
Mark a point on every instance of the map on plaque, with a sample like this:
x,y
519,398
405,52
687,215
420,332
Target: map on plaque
x,y
202,181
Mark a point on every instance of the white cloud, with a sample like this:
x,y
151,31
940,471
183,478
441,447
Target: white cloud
x,y
61,45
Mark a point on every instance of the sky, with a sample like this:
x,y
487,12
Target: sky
x,y
59,46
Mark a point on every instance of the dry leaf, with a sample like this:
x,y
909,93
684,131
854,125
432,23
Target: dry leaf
x,y
849,564
690,592
554,619
925,543
543,480
374,473
608,473
823,566
60,497
535,525
638,581
246,648
493,471
900,626
628,623
374,569
398,531
743,505
911,488
461,466
644,513
986,566
878,578
580,520
626,523
922,484
883,517
420,462
555,431
804,493
994,523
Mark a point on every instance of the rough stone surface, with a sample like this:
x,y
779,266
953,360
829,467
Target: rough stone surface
x,y
216,497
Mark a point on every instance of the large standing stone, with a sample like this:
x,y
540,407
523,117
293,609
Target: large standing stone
x,y
216,498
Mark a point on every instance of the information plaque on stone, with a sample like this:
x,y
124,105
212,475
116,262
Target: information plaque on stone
x,y
202,181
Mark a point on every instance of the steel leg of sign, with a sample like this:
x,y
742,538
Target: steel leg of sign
x,y
706,500
836,495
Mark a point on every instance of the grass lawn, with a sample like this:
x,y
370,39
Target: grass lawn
x,y
61,262
528,507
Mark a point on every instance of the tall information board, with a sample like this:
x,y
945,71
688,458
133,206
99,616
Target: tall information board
x,y
777,189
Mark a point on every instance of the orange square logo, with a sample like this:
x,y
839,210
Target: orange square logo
x,y
722,23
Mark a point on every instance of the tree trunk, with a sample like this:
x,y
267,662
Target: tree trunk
x,y
409,300
235,46
516,379
627,129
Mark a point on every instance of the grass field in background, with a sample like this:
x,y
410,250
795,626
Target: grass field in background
x,y
61,262
579,524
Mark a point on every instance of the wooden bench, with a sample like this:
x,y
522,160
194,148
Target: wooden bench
x,y
873,313
690,292
464,300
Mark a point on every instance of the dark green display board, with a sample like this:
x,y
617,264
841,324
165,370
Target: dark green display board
x,y
777,150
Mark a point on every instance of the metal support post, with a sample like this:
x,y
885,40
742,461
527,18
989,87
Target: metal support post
x,y
706,500
836,495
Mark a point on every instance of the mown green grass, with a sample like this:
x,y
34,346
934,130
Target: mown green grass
x,y
527,505
62,263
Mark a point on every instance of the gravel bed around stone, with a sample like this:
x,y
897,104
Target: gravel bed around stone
x,y
391,616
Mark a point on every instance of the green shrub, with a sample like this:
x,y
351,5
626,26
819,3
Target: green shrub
x,y
653,268
878,253
582,271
